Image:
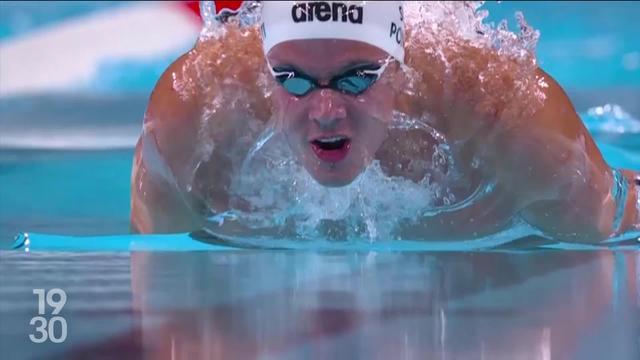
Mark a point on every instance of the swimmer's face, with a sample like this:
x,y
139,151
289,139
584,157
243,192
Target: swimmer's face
x,y
334,134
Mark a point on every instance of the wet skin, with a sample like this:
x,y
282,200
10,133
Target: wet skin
x,y
545,166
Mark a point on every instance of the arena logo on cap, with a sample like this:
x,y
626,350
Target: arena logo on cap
x,y
325,11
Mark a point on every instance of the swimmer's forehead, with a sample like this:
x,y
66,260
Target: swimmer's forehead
x,y
324,57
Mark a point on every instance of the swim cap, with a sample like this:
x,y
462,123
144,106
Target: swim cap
x,y
378,23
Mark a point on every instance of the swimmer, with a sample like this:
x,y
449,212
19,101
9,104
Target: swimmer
x,y
335,79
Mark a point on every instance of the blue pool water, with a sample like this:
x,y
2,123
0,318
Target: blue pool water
x,y
249,304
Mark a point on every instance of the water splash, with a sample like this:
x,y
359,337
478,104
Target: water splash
x,y
233,110
368,209
208,13
487,62
452,21
215,21
372,206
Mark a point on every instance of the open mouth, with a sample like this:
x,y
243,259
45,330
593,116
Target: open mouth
x,y
331,149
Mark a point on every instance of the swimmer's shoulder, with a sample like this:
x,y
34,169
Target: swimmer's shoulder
x,y
171,120
208,72
557,111
171,98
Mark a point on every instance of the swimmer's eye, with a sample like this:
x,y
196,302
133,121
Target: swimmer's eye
x,y
295,82
357,80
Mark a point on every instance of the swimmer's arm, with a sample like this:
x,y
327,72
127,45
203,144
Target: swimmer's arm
x,y
155,206
169,126
561,175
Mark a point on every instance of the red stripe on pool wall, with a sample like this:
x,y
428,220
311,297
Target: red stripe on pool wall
x,y
231,5
194,6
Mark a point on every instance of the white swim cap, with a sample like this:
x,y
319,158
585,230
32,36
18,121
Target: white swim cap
x,y
378,23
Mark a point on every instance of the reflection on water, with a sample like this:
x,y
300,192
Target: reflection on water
x,y
333,305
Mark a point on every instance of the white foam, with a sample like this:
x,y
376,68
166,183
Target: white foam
x,y
371,206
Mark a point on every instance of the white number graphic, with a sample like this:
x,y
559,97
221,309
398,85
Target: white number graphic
x,y
54,329
59,304
41,329
40,293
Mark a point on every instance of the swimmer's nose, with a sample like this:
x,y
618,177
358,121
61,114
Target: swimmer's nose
x,y
327,108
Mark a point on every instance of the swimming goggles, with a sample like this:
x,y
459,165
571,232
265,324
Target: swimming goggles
x,y
354,81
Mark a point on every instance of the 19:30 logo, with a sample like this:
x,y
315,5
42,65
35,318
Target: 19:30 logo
x,y
53,329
